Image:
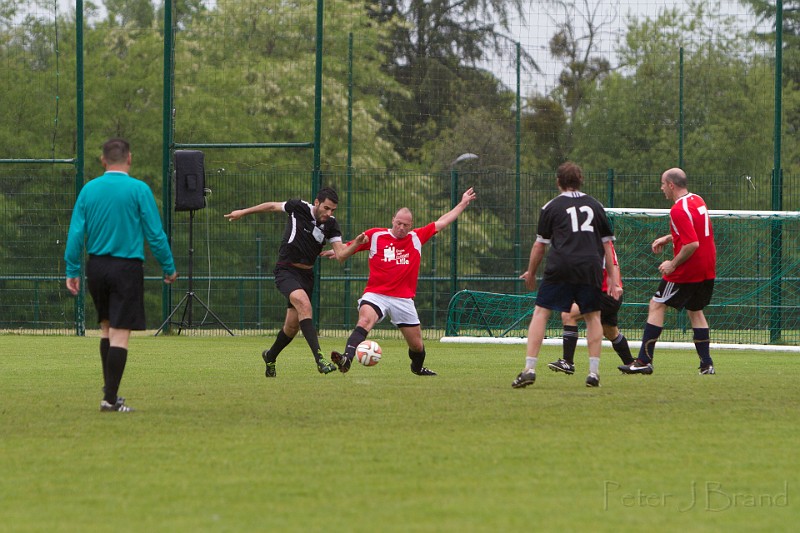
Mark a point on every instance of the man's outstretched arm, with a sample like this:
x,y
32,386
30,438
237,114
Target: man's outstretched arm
x,y
450,217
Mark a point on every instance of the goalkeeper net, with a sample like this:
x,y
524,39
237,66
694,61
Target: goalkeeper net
x,y
756,294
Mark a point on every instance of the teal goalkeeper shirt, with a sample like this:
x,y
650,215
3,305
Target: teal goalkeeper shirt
x,y
115,213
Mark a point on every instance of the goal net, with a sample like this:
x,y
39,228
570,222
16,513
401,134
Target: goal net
x,y
756,295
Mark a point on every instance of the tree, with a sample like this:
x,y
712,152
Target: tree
x,y
582,65
766,10
255,83
632,122
431,43
549,119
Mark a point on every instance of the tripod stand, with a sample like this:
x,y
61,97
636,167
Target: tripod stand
x,y
186,318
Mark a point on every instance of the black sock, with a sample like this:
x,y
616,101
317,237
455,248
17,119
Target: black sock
x,y
620,345
117,357
701,344
104,345
358,336
649,337
569,341
417,359
310,333
277,347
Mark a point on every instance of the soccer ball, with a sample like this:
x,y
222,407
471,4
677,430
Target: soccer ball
x,y
368,353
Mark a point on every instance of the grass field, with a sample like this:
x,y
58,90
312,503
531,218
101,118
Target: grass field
x,y
214,446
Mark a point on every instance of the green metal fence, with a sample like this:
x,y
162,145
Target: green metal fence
x,y
284,100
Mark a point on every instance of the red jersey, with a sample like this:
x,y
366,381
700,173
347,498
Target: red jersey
x,y
690,222
394,263
605,272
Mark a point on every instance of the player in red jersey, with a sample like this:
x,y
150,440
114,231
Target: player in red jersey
x,y
688,278
394,259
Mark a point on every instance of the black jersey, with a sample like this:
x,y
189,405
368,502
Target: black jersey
x,y
304,237
575,226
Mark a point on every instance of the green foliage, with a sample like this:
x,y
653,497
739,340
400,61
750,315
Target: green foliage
x,y
718,101
430,43
244,72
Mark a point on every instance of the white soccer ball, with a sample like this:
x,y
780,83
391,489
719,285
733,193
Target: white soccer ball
x,y
368,353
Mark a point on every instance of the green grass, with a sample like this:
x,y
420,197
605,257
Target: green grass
x,y
214,446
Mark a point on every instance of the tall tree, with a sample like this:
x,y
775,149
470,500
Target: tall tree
x,y
548,121
431,42
632,124
766,10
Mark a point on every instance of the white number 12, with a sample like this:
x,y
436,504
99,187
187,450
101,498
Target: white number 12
x,y
587,224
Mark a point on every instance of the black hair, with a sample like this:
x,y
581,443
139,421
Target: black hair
x,y
326,193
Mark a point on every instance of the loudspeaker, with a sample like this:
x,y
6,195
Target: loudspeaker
x,y
190,180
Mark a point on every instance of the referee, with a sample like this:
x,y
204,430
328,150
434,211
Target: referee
x,y
114,213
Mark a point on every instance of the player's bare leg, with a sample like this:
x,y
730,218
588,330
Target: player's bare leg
x,y
594,339
536,331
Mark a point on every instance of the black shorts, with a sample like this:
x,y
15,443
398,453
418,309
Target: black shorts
x,y
609,310
561,296
289,278
692,296
117,289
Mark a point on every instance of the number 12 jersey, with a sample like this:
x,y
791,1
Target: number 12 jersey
x,y
575,226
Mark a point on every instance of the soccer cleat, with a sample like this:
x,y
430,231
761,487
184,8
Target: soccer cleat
x,y
561,366
592,380
119,407
707,370
325,367
341,361
637,367
423,371
524,379
270,371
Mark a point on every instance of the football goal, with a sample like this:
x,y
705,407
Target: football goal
x,y
756,298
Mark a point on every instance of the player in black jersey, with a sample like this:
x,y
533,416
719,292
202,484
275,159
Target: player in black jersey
x,y
308,228
576,228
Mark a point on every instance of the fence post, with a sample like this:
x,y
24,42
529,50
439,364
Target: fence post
x,y
80,302
517,181
776,244
168,120
348,269
454,233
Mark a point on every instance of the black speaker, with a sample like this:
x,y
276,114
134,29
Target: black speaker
x,y
190,180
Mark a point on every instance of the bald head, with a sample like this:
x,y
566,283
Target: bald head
x,y
673,183
402,223
676,176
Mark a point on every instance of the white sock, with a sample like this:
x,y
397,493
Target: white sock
x,y
594,365
530,363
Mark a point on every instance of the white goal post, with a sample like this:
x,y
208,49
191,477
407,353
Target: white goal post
x,y
756,303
